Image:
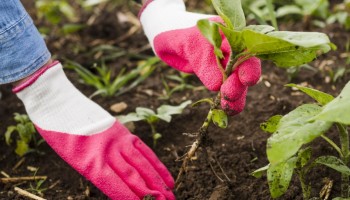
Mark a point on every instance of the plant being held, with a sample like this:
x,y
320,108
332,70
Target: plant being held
x,y
298,128
226,59
26,135
286,49
164,113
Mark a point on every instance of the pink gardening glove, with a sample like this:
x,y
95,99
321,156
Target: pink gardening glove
x,y
91,140
176,39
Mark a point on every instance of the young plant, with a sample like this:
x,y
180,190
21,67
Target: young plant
x,y
182,85
37,188
284,48
164,113
26,135
55,12
123,82
305,8
341,14
297,129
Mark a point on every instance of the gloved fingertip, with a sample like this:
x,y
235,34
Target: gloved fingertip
x,y
232,89
249,71
234,107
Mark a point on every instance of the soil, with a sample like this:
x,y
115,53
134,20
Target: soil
x,y
240,149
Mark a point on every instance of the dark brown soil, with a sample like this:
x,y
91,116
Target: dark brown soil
x,y
240,148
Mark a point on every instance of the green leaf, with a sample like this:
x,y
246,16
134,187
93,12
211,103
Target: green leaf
x,y
207,100
220,118
319,41
284,48
157,136
164,112
22,148
234,38
337,110
67,10
309,6
334,163
288,10
321,97
8,133
293,131
24,133
210,30
271,125
231,12
340,72
260,28
72,28
21,118
279,177
304,156
259,172
272,14
131,117
144,111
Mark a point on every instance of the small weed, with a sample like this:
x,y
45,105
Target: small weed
x,y
164,113
26,135
107,85
182,84
37,187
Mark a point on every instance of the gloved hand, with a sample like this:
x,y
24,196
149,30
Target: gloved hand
x,y
91,140
175,39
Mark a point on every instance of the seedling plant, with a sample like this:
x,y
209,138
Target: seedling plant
x,y
164,113
106,85
181,85
288,151
26,135
284,48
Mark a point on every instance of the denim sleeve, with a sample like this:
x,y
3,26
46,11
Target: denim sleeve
x,y
22,49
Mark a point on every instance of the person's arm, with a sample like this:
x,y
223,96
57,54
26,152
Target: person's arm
x,y
22,49
85,135
175,38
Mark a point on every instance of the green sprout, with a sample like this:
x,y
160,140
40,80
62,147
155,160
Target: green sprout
x,y
182,84
26,135
106,85
164,113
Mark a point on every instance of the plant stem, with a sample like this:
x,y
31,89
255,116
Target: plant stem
x,y
154,132
344,141
335,146
221,68
202,134
305,187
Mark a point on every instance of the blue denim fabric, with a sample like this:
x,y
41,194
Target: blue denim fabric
x,y
22,48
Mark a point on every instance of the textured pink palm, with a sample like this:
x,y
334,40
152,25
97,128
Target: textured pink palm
x,y
188,51
116,161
